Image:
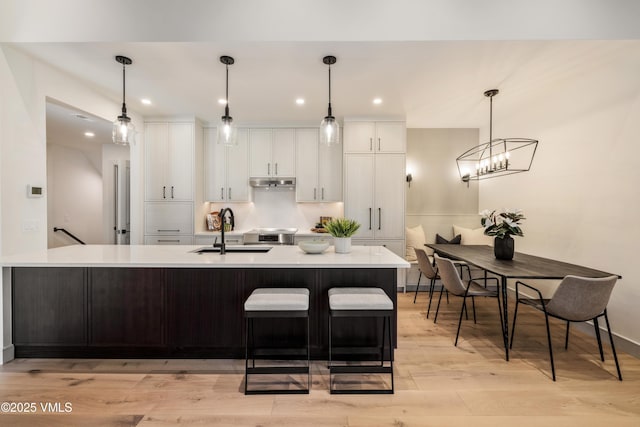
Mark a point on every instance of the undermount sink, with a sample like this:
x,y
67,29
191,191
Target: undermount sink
x,y
234,249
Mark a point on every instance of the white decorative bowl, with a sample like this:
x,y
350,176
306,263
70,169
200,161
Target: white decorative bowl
x,y
313,246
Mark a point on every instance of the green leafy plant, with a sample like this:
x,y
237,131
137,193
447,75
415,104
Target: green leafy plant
x,y
502,223
342,227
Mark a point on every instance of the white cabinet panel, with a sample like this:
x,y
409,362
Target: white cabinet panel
x,y
307,165
359,202
168,218
169,160
168,240
330,173
389,196
375,137
226,170
272,153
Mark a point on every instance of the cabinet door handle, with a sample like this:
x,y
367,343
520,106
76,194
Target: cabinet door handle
x,y
268,168
168,241
322,197
369,218
379,218
370,144
229,194
378,144
164,192
174,231
221,193
314,193
172,191
276,169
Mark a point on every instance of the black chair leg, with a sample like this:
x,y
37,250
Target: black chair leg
x,y
384,330
513,327
432,285
473,303
390,353
417,287
464,302
597,328
435,319
566,338
613,347
553,369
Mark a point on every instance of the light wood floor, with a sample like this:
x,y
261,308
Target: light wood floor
x,y
437,384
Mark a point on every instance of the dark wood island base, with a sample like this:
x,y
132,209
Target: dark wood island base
x,y
127,312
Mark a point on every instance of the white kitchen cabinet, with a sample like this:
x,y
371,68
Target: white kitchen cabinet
x,y
229,239
226,169
319,168
375,194
169,159
168,218
272,152
375,137
325,237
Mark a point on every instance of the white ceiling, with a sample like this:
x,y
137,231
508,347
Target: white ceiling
x,y
431,83
66,125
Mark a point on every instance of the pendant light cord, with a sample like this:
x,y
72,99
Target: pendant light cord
x,y
490,127
226,107
124,106
329,111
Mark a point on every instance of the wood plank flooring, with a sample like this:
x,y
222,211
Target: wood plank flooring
x,y
437,384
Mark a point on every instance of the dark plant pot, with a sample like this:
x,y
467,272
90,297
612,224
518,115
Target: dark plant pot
x,y
503,248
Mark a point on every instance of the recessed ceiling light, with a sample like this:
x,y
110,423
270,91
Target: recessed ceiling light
x,y
377,101
89,134
222,101
81,117
145,101
300,101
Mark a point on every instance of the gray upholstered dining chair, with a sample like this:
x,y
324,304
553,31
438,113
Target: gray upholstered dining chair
x,y
454,284
577,299
427,270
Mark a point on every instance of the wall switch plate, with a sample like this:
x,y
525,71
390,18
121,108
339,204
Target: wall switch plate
x,y
34,191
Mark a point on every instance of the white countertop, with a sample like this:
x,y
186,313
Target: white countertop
x,y
181,256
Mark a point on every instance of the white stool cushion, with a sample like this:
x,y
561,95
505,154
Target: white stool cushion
x,y
359,299
278,299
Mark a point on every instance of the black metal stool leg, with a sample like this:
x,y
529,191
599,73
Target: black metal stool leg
x,y
597,328
613,347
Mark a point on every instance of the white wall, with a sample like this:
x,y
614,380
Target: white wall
x,y
581,197
74,196
437,198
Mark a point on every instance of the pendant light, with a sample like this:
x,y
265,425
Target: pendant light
x,y
123,130
329,128
498,157
227,131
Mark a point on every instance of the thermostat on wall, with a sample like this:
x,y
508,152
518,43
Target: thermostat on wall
x,y
33,191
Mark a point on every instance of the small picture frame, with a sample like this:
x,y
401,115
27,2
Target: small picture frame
x,y
213,221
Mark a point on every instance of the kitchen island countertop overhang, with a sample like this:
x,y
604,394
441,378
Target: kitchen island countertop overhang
x,y
183,256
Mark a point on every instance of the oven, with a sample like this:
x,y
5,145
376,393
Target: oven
x,y
270,236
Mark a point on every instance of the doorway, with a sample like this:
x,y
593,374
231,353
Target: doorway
x,y
88,182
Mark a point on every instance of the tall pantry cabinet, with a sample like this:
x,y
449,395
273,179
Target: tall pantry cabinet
x,y
169,153
374,182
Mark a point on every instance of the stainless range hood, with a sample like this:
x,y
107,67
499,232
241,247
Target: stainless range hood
x,y
272,182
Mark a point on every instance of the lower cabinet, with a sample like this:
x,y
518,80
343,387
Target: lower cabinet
x,y
48,306
127,306
168,240
171,312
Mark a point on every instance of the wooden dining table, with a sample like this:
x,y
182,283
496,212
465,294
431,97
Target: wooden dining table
x,y
522,266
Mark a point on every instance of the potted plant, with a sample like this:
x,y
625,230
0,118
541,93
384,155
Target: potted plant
x,y
342,229
503,224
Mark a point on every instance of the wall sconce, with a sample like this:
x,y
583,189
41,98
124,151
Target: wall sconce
x,y
466,178
409,179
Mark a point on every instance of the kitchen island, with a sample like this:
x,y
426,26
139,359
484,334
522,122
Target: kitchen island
x,y
167,301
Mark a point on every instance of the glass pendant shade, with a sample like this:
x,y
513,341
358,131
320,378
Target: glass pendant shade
x,y
227,131
329,131
123,131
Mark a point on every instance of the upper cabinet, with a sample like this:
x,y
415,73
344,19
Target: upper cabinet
x,y
169,156
272,152
319,168
375,137
226,168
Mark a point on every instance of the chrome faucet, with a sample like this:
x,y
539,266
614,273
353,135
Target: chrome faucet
x,y
222,214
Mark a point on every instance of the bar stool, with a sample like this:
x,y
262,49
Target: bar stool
x,y
275,303
359,303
